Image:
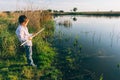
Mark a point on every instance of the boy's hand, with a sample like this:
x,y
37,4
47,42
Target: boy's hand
x,y
27,20
30,38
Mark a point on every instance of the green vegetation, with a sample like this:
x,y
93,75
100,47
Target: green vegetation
x,y
101,77
12,56
54,62
69,59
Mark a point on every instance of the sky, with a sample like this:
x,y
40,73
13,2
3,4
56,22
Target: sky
x,y
66,5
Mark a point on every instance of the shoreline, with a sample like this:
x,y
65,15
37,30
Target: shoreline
x,y
88,13
98,13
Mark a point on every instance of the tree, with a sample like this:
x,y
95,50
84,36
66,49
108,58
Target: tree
x,y
49,10
61,11
74,9
55,11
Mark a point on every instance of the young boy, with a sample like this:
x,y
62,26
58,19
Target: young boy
x,y
23,35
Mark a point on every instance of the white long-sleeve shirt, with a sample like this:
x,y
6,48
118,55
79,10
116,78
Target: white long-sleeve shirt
x,y
23,35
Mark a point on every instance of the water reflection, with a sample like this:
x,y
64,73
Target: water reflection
x,y
90,41
65,23
74,19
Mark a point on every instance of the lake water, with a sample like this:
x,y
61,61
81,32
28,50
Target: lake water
x,y
98,39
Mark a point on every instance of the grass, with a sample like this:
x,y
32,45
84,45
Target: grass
x,y
13,61
54,62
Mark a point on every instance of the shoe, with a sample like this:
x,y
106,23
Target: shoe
x,y
33,65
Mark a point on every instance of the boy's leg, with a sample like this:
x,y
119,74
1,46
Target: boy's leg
x,y
29,55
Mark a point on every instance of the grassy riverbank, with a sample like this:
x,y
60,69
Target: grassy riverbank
x,y
12,56
54,62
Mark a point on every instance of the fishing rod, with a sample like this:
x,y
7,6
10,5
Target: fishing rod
x,y
33,36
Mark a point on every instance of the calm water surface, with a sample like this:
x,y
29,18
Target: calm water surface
x,y
99,38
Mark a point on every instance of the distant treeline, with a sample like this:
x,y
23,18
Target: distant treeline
x,y
98,13
91,13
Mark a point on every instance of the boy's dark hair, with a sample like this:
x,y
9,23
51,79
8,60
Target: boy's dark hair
x,y
22,19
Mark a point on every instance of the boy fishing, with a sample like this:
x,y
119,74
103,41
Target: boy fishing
x,y
23,35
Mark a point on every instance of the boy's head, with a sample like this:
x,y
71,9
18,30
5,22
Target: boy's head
x,y
22,19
